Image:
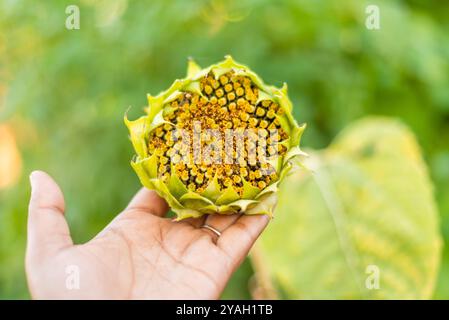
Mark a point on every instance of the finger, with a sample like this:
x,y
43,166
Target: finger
x,y
148,201
219,222
47,227
238,239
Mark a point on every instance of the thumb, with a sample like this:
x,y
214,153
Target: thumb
x,y
48,231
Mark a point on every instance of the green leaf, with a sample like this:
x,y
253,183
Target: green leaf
x,y
282,97
263,96
154,106
194,87
272,188
242,205
142,174
368,206
266,205
249,191
212,190
172,96
158,120
192,68
137,134
175,185
193,200
227,196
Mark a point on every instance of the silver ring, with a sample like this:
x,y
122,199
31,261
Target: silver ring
x,y
208,227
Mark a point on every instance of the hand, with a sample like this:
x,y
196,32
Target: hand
x,y
139,255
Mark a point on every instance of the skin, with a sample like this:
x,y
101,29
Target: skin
x,y
139,255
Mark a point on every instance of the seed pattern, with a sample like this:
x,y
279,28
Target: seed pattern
x,y
227,102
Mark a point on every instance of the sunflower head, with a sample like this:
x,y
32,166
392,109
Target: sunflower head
x,y
216,142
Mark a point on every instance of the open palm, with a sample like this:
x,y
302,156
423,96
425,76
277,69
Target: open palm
x,y
139,255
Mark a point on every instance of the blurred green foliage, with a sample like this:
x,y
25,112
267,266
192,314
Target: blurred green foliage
x,y
64,92
364,210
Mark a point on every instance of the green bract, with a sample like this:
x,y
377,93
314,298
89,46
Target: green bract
x,y
212,104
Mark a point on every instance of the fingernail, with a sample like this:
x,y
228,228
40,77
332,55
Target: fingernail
x,y
33,179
